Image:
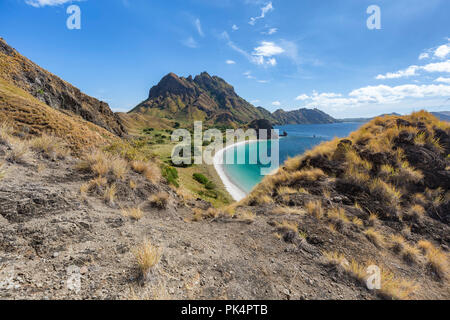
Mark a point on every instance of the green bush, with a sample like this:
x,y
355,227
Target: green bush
x,y
210,185
200,178
171,175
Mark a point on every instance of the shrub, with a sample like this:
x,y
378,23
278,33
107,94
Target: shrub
x,y
398,243
391,287
425,246
19,151
437,261
119,167
410,254
246,216
416,211
110,194
171,175
200,178
147,256
338,215
134,213
200,214
160,200
374,237
210,185
288,226
315,209
51,146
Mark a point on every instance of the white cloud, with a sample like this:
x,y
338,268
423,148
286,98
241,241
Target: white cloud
x,y
235,27
438,67
302,97
443,80
381,95
443,51
190,43
230,62
248,75
267,49
255,101
410,71
264,10
198,25
276,103
424,55
43,3
263,81
270,31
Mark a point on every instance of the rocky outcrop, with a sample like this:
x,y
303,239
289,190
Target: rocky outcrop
x,y
260,125
211,99
302,116
54,91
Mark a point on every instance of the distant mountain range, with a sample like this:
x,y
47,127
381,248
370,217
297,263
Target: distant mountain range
x,y
211,99
442,115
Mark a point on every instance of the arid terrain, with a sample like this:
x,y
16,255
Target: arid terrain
x,y
90,208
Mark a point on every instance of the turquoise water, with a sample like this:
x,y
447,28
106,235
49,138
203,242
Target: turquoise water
x,y
300,138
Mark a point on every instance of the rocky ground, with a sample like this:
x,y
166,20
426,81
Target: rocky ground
x,y
50,235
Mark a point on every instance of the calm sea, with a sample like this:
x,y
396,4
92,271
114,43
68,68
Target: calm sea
x,y
300,139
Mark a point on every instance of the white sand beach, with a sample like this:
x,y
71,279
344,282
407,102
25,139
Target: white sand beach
x,y
236,193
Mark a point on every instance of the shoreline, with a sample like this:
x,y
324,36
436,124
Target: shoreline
x,y
235,192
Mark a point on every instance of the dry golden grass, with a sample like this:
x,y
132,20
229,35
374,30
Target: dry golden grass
x,y
373,219
200,214
286,191
159,200
357,222
338,215
308,175
138,166
410,254
354,175
315,209
132,184
147,256
97,182
246,216
110,194
438,262
332,227
19,151
416,211
28,114
184,194
288,211
118,167
398,243
52,147
375,237
391,287
420,199
134,213
425,246
287,226
386,191
420,139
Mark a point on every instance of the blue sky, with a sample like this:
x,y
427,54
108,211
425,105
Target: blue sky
x,y
277,54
